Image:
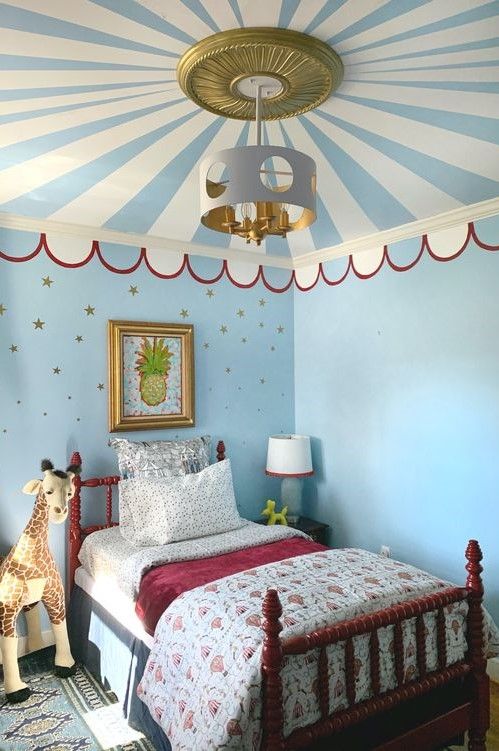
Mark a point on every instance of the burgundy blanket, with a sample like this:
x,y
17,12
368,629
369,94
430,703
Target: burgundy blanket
x,y
161,585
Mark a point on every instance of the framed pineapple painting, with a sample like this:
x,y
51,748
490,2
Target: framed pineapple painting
x,y
151,375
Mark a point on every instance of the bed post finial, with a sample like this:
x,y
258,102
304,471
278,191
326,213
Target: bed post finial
x,y
220,451
273,715
479,680
74,523
76,458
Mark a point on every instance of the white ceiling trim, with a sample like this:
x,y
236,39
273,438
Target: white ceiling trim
x,y
448,219
102,234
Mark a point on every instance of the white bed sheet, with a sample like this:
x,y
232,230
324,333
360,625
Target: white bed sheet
x,y
114,601
106,554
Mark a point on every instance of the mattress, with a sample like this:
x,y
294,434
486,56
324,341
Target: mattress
x,y
114,601
164,583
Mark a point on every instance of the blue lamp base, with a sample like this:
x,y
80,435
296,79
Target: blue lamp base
x,y
291,496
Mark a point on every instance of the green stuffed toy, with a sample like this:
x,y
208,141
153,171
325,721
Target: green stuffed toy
x,y
274,517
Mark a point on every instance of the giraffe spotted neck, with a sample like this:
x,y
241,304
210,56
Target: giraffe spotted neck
x,y
38,524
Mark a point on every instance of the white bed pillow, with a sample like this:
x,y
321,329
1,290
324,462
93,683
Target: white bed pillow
x,y
156,511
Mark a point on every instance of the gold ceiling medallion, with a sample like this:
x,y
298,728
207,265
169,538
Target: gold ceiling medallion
x,y
214,73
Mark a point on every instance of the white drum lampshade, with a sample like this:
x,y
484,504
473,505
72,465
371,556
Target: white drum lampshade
x,y
289,457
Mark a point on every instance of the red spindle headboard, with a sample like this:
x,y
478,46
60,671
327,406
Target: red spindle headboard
x,y
77,533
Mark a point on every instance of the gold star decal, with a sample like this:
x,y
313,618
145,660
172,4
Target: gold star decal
x,y
244,339
228,370
47,281
272,348
2,309
89,310
184,313
56,370
38,324
262,302
79,338
206,345
240,313
13,348
262,380
261,324
280,329
210,293
100,386
223,329
133,290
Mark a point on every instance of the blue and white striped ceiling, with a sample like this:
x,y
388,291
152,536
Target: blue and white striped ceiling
x,y
95,130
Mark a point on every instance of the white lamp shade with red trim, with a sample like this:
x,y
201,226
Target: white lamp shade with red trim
x,y
289,456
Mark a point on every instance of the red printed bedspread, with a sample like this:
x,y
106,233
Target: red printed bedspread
x,y
162,584
202,681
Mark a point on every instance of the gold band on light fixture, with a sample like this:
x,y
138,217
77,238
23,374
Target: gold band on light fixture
x,y
307,69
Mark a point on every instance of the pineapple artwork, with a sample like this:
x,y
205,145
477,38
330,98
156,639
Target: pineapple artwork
x,y
152,368
153,364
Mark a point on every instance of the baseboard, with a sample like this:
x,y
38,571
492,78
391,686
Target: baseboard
x,y
493,669
22,645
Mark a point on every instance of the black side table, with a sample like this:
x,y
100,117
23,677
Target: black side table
x,y
316,530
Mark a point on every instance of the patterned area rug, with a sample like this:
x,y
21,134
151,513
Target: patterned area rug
x,y
74,714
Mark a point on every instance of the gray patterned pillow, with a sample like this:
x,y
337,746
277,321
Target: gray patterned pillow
x,y
161,458
155,511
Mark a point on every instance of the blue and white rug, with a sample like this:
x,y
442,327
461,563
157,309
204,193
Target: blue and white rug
x,y
74,714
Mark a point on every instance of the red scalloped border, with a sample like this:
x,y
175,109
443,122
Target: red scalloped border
x,y
260,276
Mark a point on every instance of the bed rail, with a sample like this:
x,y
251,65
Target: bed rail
x,y
472,714
77,533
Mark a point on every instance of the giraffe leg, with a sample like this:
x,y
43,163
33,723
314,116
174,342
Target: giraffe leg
x,y
53,599
64,662
15,689
35,641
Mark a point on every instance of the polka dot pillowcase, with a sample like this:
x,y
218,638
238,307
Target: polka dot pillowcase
x,y
156,511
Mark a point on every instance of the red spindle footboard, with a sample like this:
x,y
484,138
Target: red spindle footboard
x,y
77,533
472,713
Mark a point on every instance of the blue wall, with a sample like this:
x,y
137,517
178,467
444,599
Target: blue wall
x,y
397,380
43,413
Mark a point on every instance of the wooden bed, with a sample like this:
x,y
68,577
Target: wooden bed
x,y
429,712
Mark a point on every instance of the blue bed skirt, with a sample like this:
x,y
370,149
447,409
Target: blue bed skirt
x,y
115,657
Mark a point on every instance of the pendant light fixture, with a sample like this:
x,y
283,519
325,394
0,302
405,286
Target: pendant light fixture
x,y
258,74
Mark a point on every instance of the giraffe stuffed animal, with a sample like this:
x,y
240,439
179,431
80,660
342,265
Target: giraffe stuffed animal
x,y
29,574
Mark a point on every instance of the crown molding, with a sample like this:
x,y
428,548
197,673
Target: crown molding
x,y
444,221
448,219
102,234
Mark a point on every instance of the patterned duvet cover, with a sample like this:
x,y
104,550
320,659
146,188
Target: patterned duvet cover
x,y
202,682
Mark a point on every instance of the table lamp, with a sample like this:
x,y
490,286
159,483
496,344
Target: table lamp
x,y
289,457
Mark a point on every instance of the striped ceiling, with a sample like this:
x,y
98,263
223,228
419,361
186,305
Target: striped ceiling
x,y
95,130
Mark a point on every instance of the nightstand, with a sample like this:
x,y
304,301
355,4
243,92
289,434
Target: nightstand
x,y
316,530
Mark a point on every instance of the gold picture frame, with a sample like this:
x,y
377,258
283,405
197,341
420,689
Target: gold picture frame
x,y
151,375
